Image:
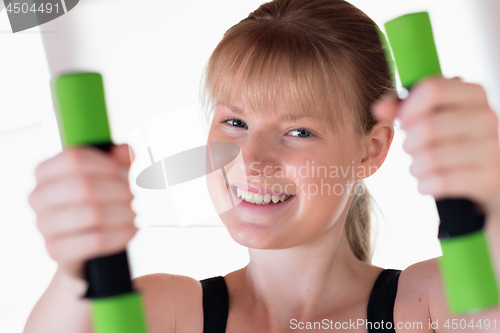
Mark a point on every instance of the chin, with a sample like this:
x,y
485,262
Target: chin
x,y
254,235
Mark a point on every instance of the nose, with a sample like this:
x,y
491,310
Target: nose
x,y
261,155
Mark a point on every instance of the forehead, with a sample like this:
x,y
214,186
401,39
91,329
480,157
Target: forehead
x,y
283,113
276,71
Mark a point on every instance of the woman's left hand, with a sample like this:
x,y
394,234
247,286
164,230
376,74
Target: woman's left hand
x,y
452,135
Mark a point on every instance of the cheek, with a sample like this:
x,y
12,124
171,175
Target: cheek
x,y
218,191
324,179
218,184
325,188
215,182
214,135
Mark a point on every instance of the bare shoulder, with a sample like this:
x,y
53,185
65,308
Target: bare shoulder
x,y
411,310
421,299
173,303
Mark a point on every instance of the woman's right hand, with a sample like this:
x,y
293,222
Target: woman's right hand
x,y
83,205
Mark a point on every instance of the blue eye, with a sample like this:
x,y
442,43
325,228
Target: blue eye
x,y
234,122
302,133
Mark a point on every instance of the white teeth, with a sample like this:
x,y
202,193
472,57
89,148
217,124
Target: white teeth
x,y
267,198
259,199
249,196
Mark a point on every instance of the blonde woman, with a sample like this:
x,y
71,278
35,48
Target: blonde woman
x,y
296,83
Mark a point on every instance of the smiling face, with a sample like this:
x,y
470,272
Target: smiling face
x,y
292,86
283,153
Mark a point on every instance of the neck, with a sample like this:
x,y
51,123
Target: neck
x,y
302,282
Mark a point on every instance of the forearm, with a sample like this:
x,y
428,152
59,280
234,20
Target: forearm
x,y
61,308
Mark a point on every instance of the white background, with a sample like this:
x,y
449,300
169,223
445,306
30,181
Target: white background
x,y
152,54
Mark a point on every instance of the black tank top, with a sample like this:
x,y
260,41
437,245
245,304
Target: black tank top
x,y
380,304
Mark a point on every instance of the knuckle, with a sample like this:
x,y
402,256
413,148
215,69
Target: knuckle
x,y
434,83
490,119
126,236
412,169
33,199
52,251
131,234
432,88
415,166
407,146
39,171
130,195
40,223
481,92
422,187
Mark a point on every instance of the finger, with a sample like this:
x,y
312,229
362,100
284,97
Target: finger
x,y
86,160
77,190
386,108
82,219
89,245
474,183
446,158
437,93
124,154
448,126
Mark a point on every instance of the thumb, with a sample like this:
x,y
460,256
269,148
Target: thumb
x,y
124,154
386,107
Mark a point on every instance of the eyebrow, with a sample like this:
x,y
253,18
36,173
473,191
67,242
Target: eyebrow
x,y
287,117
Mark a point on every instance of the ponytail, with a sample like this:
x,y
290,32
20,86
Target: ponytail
x,y
357,223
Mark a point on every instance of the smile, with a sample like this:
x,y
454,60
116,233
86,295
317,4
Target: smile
x,y
259,199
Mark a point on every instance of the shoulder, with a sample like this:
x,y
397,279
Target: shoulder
x,y
412,300
415,280
421,300
173,303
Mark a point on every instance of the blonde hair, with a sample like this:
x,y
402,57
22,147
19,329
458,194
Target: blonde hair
x,y
314,56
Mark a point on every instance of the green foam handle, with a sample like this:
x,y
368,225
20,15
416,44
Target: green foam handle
x,y
468,275
413,46
119,314
82,109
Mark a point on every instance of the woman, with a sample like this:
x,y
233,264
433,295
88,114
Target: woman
x,y
294,85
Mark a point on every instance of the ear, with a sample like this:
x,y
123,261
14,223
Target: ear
x,y
376,145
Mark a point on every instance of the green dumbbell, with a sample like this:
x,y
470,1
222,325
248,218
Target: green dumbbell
x,y
469,278
83,121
